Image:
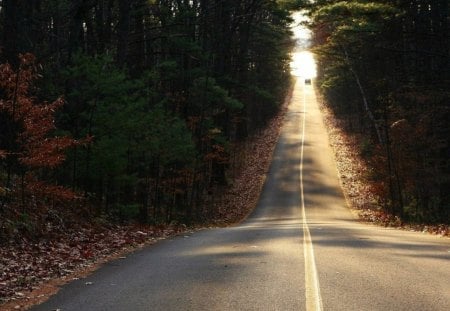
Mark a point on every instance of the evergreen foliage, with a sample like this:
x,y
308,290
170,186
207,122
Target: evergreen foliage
x,y
384,68
160,89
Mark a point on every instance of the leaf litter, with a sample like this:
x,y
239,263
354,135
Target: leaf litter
x,y
26,266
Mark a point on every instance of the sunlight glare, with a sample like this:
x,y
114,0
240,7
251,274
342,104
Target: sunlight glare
x,y
303,65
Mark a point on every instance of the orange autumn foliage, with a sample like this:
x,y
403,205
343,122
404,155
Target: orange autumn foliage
x,y
33,148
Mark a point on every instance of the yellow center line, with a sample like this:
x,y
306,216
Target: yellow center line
x,y
312,286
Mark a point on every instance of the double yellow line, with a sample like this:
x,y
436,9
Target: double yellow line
x,y
312,286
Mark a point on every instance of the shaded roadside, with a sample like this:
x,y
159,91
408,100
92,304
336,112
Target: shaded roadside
x,y
358,190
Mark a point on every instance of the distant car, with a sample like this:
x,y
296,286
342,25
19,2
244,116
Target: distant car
x,y
307,81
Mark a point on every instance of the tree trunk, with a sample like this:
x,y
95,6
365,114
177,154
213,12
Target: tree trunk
x,y
123,32
364,99
10,35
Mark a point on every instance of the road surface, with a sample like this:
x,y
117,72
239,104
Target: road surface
x,y
301,249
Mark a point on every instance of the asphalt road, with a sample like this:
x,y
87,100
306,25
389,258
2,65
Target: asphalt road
x,y
295,252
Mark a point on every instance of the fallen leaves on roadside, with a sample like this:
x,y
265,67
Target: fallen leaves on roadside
x,y
26,264
249,172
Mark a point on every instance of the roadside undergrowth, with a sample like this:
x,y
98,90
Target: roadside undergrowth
x,y
358,189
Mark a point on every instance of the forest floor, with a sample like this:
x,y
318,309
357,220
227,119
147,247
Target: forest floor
x,y
31,271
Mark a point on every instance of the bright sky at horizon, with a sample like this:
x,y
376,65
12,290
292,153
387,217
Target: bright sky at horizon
x,y
303,63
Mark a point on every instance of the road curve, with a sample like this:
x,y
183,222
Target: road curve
x,y
293,253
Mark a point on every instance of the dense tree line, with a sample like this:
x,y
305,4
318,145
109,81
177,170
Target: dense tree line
x,y
153,97
384,68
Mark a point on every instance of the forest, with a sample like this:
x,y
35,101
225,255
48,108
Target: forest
x,y
384,70
137,110
132,109
123,122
